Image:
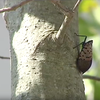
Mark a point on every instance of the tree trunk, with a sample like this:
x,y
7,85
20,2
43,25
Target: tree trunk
x,y
42,67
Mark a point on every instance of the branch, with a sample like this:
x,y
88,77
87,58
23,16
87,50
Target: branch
x,y
15,6
1,57
68,16
76,5
91,77
19,5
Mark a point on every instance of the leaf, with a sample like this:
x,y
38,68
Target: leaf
x,y
88,5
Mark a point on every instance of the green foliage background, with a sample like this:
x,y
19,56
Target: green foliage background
x,y
89,25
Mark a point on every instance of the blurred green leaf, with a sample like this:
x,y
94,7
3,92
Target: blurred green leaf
x,y
89,25
88,5
96,90
84,28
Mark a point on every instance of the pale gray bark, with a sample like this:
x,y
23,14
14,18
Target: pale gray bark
x,y
50,73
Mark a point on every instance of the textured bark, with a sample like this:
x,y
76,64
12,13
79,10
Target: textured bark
x,y
50,73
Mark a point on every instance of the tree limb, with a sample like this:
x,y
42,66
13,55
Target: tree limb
x,y
91,77
1,57
68,16
19,5
14,7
